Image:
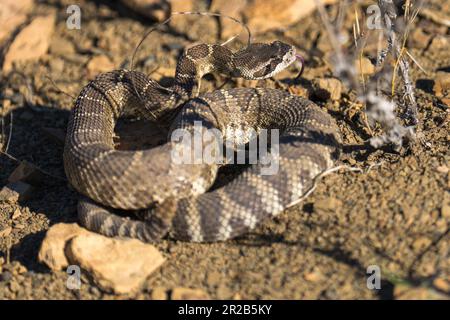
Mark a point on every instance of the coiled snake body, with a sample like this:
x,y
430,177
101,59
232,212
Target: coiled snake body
x,y
175,194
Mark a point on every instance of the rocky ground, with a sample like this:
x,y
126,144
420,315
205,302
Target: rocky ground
x,y
395,215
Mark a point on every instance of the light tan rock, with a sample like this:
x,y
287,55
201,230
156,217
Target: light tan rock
x,y
445,211
61,47
441,85
5,232
118,265
407,292
442,284
189,294
159,293
15,191
232,8
16,214
263,15
52,248
99,64
364,66
181,5
421,244
31,43
12,14
439,42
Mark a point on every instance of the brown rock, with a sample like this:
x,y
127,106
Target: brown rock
x,y
52,248
439,42
16,214
61,46
57,135
189,294
442,284
232,8
271,14
364,66
119,265
15,191
159,293
12,14
153,9
99,64
5,232
445,211
419,39
314,276
407,292
262,15
441,85
327,88
181,5
31,43
27,172
421,244
327,204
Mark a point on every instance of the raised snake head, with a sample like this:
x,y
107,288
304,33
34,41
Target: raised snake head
x,y
264,60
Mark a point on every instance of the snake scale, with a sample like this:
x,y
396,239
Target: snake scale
x,y
172,198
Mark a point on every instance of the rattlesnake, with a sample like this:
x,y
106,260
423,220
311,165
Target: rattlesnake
x,y
176,196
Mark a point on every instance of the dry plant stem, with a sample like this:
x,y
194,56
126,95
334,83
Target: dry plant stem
x,y
390,17
323,174
378,108
57,88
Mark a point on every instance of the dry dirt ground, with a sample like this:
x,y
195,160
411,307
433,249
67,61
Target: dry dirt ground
x,y
395,216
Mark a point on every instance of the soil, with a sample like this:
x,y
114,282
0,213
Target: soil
x,y
395,215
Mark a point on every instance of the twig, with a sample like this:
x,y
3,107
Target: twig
x,y
323,174
378,108
57,88
42,170
10,131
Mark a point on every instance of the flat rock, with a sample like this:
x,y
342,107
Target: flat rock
x,y
56,134
181,5
441,85
327,88
158,293
15,191
27,172
189,294
407,292
232,8
364,66
5,232
153,9
31,43
419,39
13,13
99,64
263,15
118,265
52,248
61,47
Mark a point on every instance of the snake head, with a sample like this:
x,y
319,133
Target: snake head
x,y
264,60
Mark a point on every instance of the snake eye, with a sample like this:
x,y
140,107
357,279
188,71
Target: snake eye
x,y
268,70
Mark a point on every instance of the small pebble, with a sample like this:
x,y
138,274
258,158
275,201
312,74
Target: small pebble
x,y
5,276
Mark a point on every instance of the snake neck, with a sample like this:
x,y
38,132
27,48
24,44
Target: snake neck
x,y
197,61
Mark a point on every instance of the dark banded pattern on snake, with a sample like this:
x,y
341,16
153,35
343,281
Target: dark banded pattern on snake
x,y
131,180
